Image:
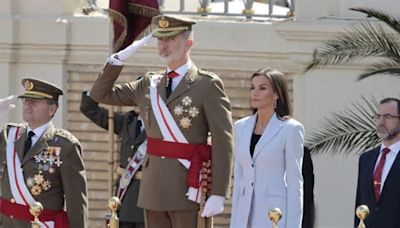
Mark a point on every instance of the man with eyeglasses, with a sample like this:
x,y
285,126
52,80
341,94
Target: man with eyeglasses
x,y
41,163
378,184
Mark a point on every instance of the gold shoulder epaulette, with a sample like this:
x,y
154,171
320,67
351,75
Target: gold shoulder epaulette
x,y
15,125
208,73
67,135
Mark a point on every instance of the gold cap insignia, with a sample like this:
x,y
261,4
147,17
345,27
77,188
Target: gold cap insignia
x,y
163,23
28,85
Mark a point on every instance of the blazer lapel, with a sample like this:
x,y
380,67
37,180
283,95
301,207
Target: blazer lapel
x,y
272,129
41,144
162,87
184,84
20,143
394,171
370,173
246,133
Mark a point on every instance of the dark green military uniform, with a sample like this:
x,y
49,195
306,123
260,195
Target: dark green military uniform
x,y
52,168
127,128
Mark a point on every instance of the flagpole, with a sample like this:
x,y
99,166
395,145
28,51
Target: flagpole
x,y
110,150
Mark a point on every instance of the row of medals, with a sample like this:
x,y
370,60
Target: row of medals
x,y
186,112
46,162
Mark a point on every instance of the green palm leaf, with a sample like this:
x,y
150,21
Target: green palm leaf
x,y
350,131
384,68
363,40
391,21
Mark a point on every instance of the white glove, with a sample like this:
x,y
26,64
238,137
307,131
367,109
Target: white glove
x,y
8,103
122,56
214,205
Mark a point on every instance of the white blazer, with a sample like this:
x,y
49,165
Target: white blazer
x,y
272,178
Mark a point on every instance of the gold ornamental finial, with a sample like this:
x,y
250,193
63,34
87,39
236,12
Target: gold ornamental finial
x,y
275,214
113,204
362,212
35,210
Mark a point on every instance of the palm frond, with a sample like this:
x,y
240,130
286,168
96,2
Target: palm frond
x,y
357,42
391,21
347,132
391,68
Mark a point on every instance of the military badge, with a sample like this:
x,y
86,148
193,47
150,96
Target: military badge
x,y
163,23
46,161
28,85
30,182
178,110
46,185
185,122
36,190
193,112
187,101
38,179
186,112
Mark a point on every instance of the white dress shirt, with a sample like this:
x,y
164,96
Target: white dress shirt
x,y
38,132
390,157
182,70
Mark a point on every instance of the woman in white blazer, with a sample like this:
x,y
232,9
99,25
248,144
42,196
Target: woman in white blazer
x,y
268,157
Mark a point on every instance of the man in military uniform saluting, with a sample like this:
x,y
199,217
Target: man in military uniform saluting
x,y
179,106
41,163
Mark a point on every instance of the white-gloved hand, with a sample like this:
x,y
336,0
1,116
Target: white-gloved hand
x,y
124,54
8,103
214,205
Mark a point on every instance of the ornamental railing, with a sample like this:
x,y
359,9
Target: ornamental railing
x,y
249,9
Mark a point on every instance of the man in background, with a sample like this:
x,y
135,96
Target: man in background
x,y
130,130
379,170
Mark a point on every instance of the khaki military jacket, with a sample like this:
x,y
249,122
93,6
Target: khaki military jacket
x,y
65,184
164,180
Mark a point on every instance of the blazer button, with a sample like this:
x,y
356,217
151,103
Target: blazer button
x,y
132,146
252,165
252,183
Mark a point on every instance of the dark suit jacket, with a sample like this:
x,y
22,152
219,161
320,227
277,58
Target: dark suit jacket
x,y
308,187
125,128
386,212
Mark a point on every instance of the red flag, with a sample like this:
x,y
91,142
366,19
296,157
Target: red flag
x,y
130,19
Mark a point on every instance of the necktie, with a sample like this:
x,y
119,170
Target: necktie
x,y
171,75
378,174
28,142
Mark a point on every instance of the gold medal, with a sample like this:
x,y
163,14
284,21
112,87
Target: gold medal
x,y
36,190
185,122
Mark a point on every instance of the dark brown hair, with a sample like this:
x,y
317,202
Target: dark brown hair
x,y
279,85
391,99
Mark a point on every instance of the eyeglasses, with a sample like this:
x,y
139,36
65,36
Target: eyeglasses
x,y
385,117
